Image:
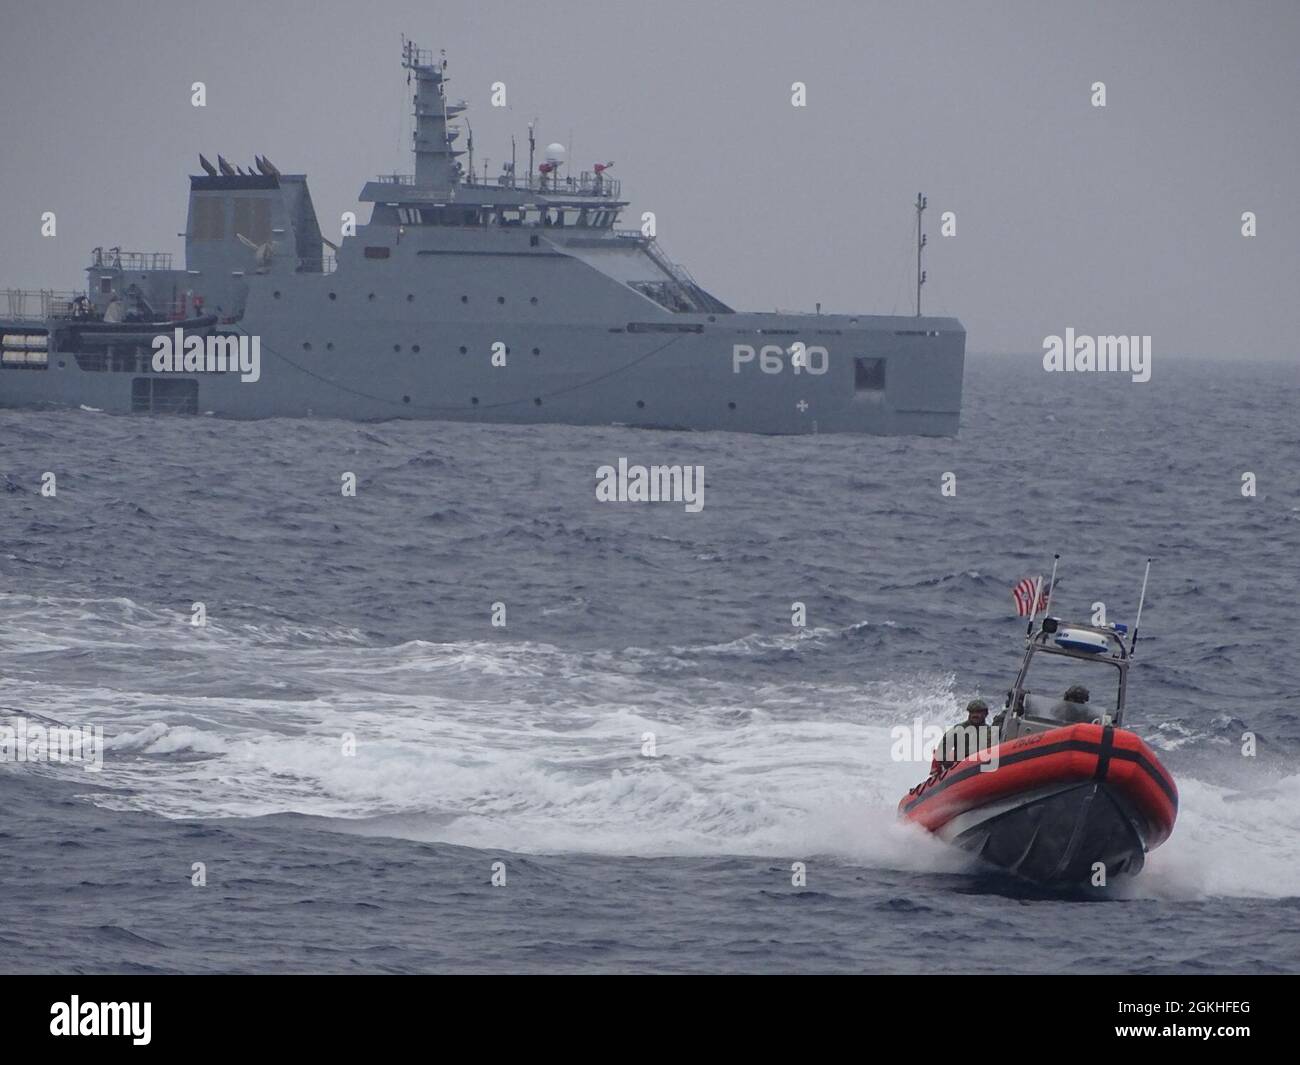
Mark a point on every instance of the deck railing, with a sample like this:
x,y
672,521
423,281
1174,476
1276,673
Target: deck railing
x,y
586,184
35,304
131,261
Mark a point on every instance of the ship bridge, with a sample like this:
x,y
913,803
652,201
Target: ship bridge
x,y
564,204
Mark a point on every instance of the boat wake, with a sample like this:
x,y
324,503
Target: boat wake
x,y
535,748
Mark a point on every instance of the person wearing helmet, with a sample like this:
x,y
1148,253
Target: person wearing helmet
x,y
965,739
1073,707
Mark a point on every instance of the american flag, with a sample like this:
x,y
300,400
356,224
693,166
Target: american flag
x,y
1023,594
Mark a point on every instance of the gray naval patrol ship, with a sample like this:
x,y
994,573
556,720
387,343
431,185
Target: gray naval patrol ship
x,y
467,297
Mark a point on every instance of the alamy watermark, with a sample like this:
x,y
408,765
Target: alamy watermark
x,y
1081,354
213,354
920,742
651,484
22,741
129,1019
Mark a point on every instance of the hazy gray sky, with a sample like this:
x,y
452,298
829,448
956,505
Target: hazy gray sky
x,y
1125,219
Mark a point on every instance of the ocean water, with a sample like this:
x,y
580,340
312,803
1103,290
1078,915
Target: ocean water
x,y
364,625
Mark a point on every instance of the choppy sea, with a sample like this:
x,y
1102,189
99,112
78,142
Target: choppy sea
x,y
348,747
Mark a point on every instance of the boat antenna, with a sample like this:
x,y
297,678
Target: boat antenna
x,y
512,161
921,204
1138,620
1038,593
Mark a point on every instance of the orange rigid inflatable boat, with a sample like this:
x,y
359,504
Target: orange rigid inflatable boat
x,y
1058,789
1050,805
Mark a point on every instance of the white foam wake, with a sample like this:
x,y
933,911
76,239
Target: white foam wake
x,y
534,748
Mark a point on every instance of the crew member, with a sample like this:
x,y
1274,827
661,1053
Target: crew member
x,y
1075,693
1073,706
965,739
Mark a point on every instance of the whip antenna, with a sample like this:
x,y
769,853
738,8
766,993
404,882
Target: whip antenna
x,y
1141,599
1038,593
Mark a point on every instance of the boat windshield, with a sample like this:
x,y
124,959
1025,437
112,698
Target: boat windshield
x,y
1051,675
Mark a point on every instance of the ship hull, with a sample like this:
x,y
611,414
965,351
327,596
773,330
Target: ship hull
x,y
693,372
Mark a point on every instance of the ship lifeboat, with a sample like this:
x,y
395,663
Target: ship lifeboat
x,y
97,334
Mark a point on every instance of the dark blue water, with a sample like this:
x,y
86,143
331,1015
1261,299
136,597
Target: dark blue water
x,y
366,623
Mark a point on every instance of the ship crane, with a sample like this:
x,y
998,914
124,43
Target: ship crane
x,y
262,253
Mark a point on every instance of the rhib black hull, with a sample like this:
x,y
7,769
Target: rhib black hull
x,y
1061,836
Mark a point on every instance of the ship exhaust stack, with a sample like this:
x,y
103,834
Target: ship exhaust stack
x,y
245,223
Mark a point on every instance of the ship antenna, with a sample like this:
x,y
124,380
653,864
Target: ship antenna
x,y
921,204
532,143
1138,620
442,87
513,180
470,145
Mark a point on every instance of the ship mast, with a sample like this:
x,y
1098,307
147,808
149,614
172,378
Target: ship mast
x,y
469,143
435,159
921,204
532,143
